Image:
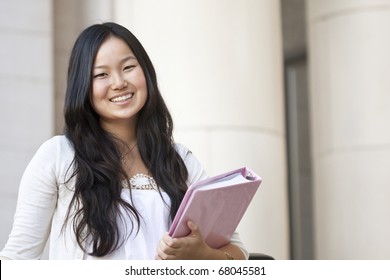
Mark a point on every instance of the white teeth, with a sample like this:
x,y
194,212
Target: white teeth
x,y
122,98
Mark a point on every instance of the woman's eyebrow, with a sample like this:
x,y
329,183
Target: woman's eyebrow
x,y
130,57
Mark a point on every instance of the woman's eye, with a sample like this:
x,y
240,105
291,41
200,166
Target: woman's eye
x,y
129,67
100,75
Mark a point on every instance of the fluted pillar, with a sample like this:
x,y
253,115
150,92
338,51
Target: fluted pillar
x,y
349,43
219,65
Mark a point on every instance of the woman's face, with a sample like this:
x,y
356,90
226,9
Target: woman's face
x,y
119,88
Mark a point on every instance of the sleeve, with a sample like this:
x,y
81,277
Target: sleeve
x,y
196,172
195,169
236,240
36,204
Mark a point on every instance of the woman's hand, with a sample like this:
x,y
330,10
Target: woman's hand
x,y
190,247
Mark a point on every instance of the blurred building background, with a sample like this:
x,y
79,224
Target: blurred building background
x,y
297,90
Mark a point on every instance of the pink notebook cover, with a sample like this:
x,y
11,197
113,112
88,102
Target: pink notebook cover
x,y
216,205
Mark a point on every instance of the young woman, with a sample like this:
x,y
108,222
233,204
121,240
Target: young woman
x,y
110,187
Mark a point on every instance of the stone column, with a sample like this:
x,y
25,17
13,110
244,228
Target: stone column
x,y
26,90
219,65
349,43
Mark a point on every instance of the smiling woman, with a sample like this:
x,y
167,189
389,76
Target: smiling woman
x,y
119,88
111,185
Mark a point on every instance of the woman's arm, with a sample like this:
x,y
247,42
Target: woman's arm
x,y
36,202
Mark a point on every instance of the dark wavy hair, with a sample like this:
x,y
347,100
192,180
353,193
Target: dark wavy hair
x,y
97,168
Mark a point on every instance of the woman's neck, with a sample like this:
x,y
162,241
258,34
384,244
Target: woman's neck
x,y
125,131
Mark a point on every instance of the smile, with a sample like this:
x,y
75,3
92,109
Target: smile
x,y
122,98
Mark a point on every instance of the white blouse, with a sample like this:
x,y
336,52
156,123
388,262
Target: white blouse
x,y
154,224
44,199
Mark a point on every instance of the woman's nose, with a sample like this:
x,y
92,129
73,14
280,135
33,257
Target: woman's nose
x,y
118,82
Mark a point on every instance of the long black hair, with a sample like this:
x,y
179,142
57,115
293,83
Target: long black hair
x,y
97,168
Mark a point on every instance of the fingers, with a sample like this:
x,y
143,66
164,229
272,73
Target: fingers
x,y
166,248
187,247
169,241
194,228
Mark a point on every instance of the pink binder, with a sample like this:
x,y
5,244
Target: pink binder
x,y
216,205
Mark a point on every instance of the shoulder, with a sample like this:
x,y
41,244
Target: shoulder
x,y
195,169
56,144
56,151
48,165
182,150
